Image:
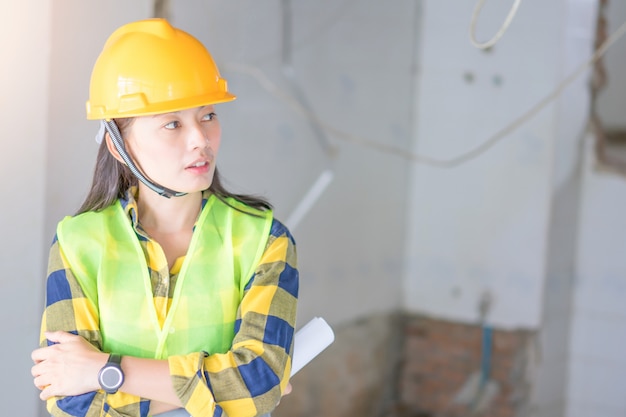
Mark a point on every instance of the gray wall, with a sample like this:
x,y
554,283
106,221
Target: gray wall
x,y
24,48
611,100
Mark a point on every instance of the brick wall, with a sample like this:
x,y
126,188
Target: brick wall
x,y
441,358
410,366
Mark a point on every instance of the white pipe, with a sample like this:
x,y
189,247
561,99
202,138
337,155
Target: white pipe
x,y
309,199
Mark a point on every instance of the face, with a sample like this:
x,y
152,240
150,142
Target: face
x,y
177,150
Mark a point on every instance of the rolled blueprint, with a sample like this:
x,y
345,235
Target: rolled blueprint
x,y
310,341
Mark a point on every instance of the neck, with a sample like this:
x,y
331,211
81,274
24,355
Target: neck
x,y
167,215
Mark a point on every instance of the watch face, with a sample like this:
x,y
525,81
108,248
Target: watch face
x,y
111,378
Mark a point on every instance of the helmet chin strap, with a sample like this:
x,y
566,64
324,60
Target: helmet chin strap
x,y
118,142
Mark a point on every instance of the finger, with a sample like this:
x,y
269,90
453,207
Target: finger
x,y
35,355
34,371
39,355
46,393
60,336
40,382
40,376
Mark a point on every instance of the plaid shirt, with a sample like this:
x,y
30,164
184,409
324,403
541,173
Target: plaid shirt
x,y
241,382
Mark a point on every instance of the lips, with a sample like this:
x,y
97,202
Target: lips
x,y
198,164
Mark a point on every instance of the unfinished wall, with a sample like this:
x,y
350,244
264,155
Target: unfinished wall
x,y
356,376
454,370
25,50
596,363
508,222
400,365
610,101
480,227
78,32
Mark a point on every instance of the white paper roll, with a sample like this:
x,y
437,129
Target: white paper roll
x,y
310,341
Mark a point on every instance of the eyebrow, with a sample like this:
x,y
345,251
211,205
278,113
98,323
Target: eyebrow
x,y
163,114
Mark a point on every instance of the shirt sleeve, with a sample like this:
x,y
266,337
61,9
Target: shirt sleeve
x,y
249,379
68,309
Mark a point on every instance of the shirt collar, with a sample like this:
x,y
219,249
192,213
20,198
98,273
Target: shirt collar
x,y
129,204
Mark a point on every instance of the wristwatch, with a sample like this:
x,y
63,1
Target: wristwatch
x,y
111,376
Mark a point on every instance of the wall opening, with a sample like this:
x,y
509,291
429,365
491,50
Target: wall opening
x,y
608,112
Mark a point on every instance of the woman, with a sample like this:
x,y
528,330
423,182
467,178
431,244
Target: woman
x,y
165,292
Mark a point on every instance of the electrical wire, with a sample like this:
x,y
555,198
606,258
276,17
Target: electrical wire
x,y
456,161
507,22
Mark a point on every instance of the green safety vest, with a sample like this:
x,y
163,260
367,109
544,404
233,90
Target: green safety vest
x,y
105,255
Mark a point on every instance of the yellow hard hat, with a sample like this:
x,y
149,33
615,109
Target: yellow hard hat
x,y
149,67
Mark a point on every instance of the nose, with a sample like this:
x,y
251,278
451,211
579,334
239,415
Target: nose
x,y
199,136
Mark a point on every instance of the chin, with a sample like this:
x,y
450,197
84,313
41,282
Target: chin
x,y
193,185
197,188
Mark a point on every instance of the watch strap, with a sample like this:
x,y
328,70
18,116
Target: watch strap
x,y
115,358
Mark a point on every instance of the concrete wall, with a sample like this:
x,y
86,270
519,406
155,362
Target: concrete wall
x,y
552,378
506,223
78,32
610,103
597,363
480,227
25,51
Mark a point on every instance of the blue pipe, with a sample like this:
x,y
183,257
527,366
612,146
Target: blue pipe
x,y
485,361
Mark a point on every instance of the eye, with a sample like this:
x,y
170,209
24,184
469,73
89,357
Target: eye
x,y
172,125
209,116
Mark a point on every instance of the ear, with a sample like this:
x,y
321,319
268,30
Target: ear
x,y
112,149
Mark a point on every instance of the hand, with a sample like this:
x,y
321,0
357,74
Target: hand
x,y
69,367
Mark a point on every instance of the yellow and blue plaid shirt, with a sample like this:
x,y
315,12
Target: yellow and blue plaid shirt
x,y
238,380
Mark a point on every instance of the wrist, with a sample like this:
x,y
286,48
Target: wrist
x,y
99,361
94,365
